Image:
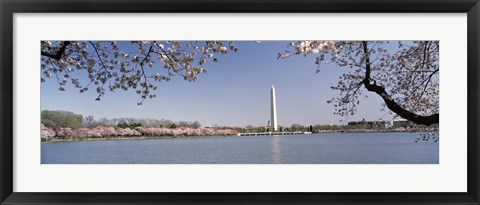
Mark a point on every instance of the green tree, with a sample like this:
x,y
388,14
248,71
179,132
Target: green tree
x,y
131,126
297,127
56,119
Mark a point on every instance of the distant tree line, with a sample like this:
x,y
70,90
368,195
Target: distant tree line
x,y
141,122
56,119
320,128
68,125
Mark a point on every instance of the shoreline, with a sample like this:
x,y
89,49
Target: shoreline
x,y
125,138
373,131
205,136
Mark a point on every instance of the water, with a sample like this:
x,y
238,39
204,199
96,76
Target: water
x,y
333,148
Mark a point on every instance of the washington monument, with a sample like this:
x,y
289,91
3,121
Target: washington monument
x,y
273,121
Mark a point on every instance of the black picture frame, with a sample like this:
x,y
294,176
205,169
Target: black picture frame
x,y
10,7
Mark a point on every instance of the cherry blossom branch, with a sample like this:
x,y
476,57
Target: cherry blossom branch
x,y
389,101
58,55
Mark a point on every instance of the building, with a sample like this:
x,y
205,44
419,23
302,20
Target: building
x,y
385,124
372,124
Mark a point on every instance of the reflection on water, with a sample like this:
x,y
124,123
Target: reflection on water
x,y
275,148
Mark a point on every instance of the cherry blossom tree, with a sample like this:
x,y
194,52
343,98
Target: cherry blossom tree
x,y
406,78
106,132
110,67
207,131
46,133
84,132
65,132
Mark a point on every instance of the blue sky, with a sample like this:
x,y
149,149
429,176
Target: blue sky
x,y
235,91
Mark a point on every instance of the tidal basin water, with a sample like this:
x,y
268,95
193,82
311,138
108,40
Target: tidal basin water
x,y
332,148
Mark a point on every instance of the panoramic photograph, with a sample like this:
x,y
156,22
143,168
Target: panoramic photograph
x,y
239,102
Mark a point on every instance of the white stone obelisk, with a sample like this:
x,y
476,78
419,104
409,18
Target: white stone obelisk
x,y
274,111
